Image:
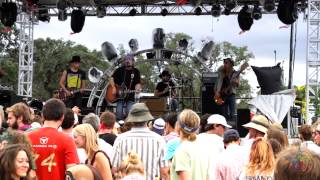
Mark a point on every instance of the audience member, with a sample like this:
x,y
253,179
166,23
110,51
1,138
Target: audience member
x,y
94,121
68,122
232,160
297,163
316,137
147,144
2,119
107,125
280,136
190,160
19,117
132,168
170,127
54,151
261,161
204,122
158,126
86,137
276,147
83,172
15,162
305,133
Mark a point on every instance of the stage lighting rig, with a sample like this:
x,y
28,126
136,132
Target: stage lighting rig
x,y
269,5
183,44
216,10
256,12
164,12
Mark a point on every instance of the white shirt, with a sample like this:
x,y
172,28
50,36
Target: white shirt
x,y
311,146
214,146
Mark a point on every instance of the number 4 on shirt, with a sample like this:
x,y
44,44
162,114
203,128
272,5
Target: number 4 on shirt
x,y
49,161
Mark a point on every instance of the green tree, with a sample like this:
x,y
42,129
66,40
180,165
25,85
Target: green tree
x,y
52,56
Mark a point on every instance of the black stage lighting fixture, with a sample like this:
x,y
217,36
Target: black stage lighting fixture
x,y
245,19
62,15
150,55
166,54
164,12
227,12
101,11
287,11
133,12
269,5
216,10
256,12
230,4
183,44
198,11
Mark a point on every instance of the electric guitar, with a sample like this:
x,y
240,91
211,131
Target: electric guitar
x,y
226,88
63,96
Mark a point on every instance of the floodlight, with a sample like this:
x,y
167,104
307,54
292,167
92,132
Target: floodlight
x,y
108,51
166,54
245,19
150,55
269,5
256,12
198,11
62,15
158,38
44,15
183,44
164,12
101,11
206,51
133,44
230,4
133,12
216,10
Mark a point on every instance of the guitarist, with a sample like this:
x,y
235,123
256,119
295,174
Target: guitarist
x,y
72,83
127,80
226,89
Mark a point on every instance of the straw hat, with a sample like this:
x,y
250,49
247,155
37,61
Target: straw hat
x,y
259,123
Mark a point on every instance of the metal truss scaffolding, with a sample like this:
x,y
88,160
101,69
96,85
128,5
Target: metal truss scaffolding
x,y
25,54
313,58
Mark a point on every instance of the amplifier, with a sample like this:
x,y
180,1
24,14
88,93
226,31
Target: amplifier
x,y
209,77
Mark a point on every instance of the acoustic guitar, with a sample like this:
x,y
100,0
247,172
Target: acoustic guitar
x,y
226,89
117,92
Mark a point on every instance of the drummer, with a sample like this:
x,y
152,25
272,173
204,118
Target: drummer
x,y
166,88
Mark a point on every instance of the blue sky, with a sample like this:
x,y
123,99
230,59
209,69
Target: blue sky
x,y
264,37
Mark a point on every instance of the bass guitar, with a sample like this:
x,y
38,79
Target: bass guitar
x,y
226,88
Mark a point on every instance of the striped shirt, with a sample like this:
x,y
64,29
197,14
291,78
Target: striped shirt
x,y
147,144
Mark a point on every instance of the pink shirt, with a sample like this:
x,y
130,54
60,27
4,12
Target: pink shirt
x,y
171,136
230,163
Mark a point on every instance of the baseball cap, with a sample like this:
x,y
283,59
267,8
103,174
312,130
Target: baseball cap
x,y
218,119
230,134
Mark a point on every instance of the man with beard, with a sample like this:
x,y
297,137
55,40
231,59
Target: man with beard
x,y
19,117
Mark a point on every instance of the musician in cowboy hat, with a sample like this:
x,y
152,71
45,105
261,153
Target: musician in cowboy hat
x,y
166,88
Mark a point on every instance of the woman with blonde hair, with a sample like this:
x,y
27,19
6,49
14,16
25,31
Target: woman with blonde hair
x,y
132,168
190,160
261,161
85,137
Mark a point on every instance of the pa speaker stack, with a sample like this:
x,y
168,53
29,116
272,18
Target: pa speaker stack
x,y
208,83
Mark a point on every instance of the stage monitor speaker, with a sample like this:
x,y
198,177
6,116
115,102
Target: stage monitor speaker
x,y
243,118
208,104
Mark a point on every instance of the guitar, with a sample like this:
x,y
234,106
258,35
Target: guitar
x,y
226,90
63,95
117,92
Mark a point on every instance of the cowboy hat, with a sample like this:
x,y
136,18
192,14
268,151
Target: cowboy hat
x,y
75,59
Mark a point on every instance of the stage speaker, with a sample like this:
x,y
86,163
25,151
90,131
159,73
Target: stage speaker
x,y
208,105
243,118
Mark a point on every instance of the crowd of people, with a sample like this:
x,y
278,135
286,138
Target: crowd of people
x,y
176,146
